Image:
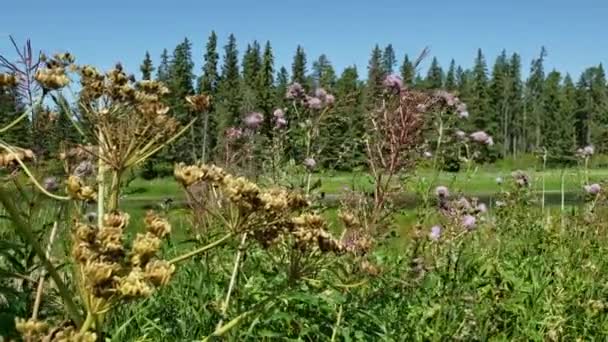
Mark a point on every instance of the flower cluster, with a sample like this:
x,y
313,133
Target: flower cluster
x,y
482,138
10,159
393,83
354,239
592,189
76,189
319,100
271,215
7,81
462,211
452,100
109,270
585,152
521,179
279,118
34,330
53,75
253,120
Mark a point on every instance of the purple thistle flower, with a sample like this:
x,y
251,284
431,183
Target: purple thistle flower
x,y
51,184
253,120
435,233
280,122
442,191
278,113
84,169
480,137
310,163
393,82
314,103
463,204
464,114
321,93
330,99
460,134
593,189
469,222
482,208
588,151
490,141
234,133
294,91
521,179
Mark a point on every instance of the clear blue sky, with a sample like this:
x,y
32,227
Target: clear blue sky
x,y
103,32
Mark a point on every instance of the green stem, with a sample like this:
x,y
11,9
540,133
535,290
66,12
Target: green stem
x,y
29,236
38,299
337,325
235,270
200,250
87,323
114,190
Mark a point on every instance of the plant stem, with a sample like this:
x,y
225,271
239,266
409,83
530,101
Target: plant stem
x,y
28,235
101,184
114,190
235,270
337,325
43,274
87,323
200,250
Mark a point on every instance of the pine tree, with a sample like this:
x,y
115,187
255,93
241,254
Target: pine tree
x,y
479,100
499,101
557,128
298,68
323,73
434,78
162,73
388,59
281,86
265,85
252,61
534,99
207,84
375,76
569,111
146,68
229,92
450,79
516,126
408,72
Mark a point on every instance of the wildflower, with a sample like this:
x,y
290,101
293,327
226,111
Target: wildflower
x,y
460,134
442,191
198,103
468,222
499,180
435,233
314,103
482,208
463,204
51,184
521,179
84,169
253,120
159,272
134,284
593,189
321,94
310,163
490,141
278,113
280,122
586,151
234,133
295,91
393,83
330,99
480,137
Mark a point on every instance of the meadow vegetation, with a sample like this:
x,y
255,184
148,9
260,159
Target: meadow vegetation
x,y
254,251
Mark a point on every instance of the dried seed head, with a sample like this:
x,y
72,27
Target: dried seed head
x,y
71,334
7,81
157,225
187,175
159,272
52,78
144,248
198,103
134,284
31,329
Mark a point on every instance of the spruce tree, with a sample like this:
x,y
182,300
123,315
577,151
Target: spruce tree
x,y
534,110
252,61
229,92
516,128
375,76
146,68
323,73
298,68
450,79
408,71
500,113
388,59
265,85
281,86
434,78
162,73
479,100
557,137
207,84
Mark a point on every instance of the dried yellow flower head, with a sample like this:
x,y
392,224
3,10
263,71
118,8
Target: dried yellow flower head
x,y
71,334
99,273
134,284
144,248
159,272
187,175
7,81
11,158
31,329
52,78
198,103
77,190
157,225
116,219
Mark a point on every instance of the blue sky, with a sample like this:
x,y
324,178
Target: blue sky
x,y
103,32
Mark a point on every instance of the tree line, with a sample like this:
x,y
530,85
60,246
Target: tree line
x,y
547,111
